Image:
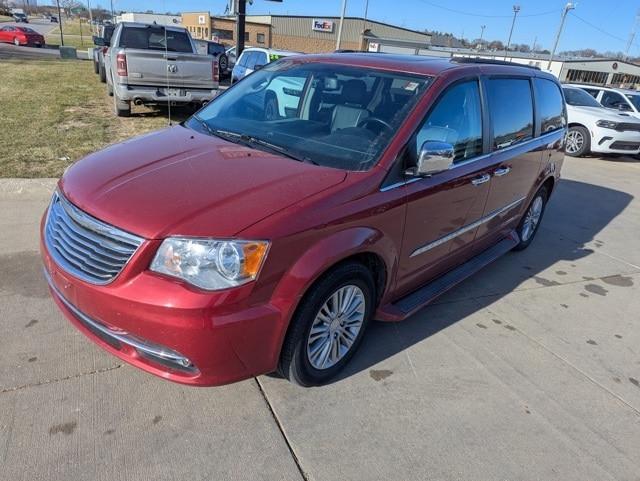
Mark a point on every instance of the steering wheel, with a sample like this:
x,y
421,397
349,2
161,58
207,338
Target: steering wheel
x,y
367,120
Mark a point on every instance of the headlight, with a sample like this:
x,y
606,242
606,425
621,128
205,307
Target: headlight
x,y
607,124
209,263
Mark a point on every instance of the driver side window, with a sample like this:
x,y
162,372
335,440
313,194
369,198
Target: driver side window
x,y
613,100
456,119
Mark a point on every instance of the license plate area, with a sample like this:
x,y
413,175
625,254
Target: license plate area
x,y
174,92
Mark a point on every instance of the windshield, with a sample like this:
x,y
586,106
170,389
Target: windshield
x,y
634,99
327,114
579,98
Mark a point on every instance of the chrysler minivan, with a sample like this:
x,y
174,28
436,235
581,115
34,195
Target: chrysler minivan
x,y
251,239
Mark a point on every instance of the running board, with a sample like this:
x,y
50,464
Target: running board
x,y
415,301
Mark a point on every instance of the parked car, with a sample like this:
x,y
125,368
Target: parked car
x,y
216,50
233,245
594,128
157,64
53,19
105,32
254,58
21,36
20,18
623,100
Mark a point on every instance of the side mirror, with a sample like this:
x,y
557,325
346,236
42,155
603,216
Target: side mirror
x,y
98,41
434,157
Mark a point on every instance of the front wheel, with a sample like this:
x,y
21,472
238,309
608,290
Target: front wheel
x,y
328,325
531,220
96,67
578,142
102,73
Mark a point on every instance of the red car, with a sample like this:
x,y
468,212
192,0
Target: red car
x,y
21,36
317,193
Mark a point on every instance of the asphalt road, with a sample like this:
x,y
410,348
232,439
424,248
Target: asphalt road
x,y
41,26
530,370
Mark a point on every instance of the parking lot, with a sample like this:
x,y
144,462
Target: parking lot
x,y
528,370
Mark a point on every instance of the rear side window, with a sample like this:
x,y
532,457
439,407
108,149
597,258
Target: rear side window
x,y
550,105
511,110
456,119
614,100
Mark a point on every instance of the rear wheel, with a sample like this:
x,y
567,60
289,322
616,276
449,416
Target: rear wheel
x,y
96,67
102,73
122,108
109,89
530,222
578,141
223,64
328,325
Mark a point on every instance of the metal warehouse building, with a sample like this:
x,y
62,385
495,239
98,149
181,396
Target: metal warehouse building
x,y
307,33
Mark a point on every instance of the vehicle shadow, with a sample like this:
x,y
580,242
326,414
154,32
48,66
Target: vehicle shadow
x,y
565,230
178,113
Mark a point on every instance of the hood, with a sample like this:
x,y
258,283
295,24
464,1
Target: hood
x,y
602,113
179,182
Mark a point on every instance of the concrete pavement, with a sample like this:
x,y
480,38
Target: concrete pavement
x,y
528,370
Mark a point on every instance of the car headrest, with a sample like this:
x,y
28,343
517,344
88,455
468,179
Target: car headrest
x,y
354,91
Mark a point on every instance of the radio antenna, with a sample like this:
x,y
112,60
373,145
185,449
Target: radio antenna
x,y
166,57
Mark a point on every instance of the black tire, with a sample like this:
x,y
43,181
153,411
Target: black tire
x,y
102,73
109,89
526,237
96,67
122,108
584,147
294,362
271,109
223,65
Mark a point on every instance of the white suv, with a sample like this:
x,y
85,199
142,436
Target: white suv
x,y
593,128
623,100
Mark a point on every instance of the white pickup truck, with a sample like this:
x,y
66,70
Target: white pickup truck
x,y
157,64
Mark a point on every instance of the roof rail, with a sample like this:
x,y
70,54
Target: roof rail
x,y
491,62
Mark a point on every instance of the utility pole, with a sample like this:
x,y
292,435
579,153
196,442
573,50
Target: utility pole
x,y
90,17
113,15
482,27
516,9
569,6
344,8
632,35
60,23
535,41
240,26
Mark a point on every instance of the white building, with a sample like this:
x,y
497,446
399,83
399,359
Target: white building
x,y
158,18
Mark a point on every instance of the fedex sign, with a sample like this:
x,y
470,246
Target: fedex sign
x,y
320,25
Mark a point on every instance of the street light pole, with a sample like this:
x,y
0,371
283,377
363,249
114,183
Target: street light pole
x,y
516,9
240,26
344,8
482,27
60,23
569,6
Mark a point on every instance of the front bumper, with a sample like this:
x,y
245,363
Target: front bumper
x,y
168,329
609,141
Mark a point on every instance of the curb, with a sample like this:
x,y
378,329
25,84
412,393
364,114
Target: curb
x,y
36,188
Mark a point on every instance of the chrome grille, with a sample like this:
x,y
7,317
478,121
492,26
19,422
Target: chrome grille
x,y
84,246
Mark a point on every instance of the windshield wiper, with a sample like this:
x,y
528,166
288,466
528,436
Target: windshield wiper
x,y
251,141
205,125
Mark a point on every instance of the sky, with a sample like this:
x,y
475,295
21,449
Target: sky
x,y
599,24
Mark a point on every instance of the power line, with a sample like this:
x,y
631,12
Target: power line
x,y
461,12
604,32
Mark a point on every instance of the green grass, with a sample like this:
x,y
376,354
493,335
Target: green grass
x,y
71,32
72,27
54,112
4,18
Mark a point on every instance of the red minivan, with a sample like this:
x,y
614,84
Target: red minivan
x,y
318,193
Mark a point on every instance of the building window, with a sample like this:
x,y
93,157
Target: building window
x,y
246,36
224,34
260,38
587,76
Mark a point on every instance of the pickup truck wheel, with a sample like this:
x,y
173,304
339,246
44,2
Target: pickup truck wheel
x,y
122,108
109,89
223,64
328,325
530,222
578,142
96,67
102,73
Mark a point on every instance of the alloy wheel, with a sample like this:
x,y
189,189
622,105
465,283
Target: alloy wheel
x,y
575,141
531,219
336,327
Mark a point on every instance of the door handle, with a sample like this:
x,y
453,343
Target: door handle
x,y
481,180
501,171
